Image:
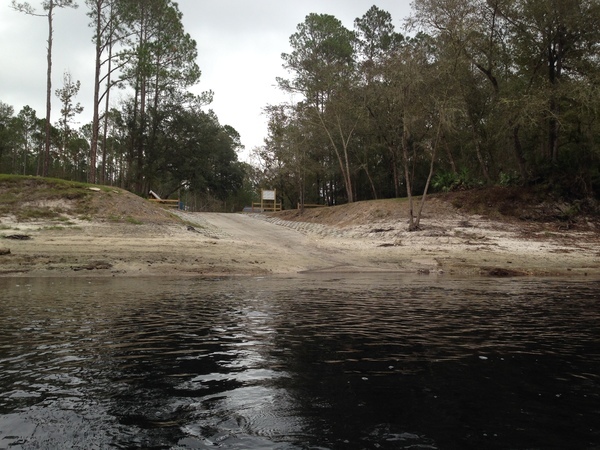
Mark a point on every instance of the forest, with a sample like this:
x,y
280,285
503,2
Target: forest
x,y
160,137
476,93
466,93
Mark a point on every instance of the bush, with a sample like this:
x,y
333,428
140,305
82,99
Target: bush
x,y
509,179
451,181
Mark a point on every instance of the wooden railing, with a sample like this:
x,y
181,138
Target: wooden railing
x,y
266,206
166,203
311,205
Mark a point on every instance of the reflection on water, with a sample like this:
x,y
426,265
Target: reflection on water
x,y
384,362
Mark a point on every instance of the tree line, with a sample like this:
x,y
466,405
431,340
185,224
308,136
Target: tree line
x,y
478,92
159,137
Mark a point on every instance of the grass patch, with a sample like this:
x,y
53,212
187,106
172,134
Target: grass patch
x,y
25,214
133,221
31,198
60,228
54,183
128,219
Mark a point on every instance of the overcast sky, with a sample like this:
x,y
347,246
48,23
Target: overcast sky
x,y
239,52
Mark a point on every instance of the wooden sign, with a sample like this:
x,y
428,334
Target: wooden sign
x,y
268,195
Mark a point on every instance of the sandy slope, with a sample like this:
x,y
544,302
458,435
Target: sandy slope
x,y
212,243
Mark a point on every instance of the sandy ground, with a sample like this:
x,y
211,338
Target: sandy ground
x,y
253,244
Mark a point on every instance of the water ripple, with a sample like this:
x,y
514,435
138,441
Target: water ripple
x,y
332,362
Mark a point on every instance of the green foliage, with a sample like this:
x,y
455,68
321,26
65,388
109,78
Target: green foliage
x,y
322,52
503,92
30,198
495,92
133,221
60,186
376,35
452,181
160,138
198,154
509,178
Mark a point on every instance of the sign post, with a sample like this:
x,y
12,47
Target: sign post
x,y
268,196
268,201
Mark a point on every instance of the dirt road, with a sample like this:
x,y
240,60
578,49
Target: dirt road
x,y
242,244
450,244
254,242
207,244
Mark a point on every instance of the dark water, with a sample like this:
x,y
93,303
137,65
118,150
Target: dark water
x,y
385,362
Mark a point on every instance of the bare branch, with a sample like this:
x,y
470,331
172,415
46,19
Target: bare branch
x,y
25,8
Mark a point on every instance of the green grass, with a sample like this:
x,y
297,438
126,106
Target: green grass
x,y
29,198
58,183
20,196
128,219
13,188
54,228
37,213
133,221
65,220
60,228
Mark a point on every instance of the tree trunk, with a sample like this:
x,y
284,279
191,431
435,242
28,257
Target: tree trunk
x,y
142,129
518,148
429,176
343,162
395,174
407,177
553,132
555,56
46,166
449,153
130,170
95,115
478,153
107,101
373,190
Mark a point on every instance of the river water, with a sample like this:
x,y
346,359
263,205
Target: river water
x,y
302,362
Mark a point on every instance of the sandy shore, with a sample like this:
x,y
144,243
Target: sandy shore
x,y
217,244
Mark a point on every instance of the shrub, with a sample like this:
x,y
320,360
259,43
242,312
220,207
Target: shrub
x,y
452,181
